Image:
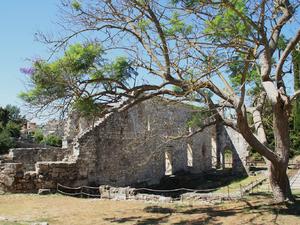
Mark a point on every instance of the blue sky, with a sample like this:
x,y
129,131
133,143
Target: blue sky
x,y
19,21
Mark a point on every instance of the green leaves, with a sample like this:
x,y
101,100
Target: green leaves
x,y
87,106
178,26
52,140
227,24
143,24
76,5
10,126
198,118
76,78
6,142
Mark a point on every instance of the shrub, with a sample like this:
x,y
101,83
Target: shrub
x,y
14,129
38,136
6,141
52,140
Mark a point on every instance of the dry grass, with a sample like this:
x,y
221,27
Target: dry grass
x,y
56,209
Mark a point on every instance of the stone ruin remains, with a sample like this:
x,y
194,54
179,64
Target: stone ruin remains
x,y
131,148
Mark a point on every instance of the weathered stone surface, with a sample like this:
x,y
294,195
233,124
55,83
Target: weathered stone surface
x,y
44,191
29,156
129,148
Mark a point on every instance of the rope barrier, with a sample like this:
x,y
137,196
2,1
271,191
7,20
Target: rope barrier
x,y
65,193
174,190
71,188
95,188
80,189
81,192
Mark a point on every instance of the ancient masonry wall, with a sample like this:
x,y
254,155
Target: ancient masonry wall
x,y
131,148
136,147
29,156
15,178
230,139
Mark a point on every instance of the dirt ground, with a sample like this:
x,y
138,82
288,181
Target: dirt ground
x,y
16,209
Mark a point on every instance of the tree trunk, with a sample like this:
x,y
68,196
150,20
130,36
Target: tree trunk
x,y
277,163
279,182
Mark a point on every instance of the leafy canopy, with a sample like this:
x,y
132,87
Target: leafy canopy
x,y
76,77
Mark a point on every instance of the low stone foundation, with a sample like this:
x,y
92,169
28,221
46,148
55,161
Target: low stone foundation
x,y
29,156
14,178
121,193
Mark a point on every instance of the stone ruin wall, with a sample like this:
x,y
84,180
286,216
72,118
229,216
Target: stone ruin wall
x,y
27,170
129,148
29,156
228,138
15,178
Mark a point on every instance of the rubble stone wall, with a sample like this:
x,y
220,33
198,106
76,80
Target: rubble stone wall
x,y
230,139
123,148
129,148
29,156
14,178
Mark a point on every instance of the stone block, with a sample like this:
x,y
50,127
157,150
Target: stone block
x,y
44,191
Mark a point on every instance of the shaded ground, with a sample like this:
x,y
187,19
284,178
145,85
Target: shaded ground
x,y
55,209
215,180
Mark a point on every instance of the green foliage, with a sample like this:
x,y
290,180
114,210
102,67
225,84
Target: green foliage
x,y
187,3
38,136
76,5
76,76
6,141
4,116
199,117
52,140
86,106
10,126
227,24
51,79
13,128
143,24
295,143
177,89
178,26
235,70
282,43
119,70
296,104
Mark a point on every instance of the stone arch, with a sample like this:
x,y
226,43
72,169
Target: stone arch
x,y
227,157
227,138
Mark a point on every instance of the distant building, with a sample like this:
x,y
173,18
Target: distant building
x,y
28,128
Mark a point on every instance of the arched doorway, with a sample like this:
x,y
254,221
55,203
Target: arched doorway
x,y
227,158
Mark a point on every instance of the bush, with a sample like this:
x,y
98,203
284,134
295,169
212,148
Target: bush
x,y
6,141
38,136
52,140
14,129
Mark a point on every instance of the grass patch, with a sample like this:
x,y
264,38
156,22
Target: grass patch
x,y
236,184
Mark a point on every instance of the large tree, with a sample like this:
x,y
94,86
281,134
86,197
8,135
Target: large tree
x,y
223,53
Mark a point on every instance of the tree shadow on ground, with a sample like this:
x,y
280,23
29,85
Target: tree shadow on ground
x,y
123,220
254,208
